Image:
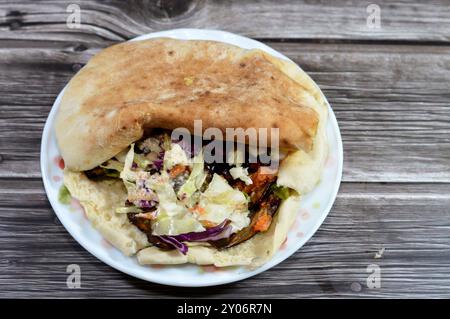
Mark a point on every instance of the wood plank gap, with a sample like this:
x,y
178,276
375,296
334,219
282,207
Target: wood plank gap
x,y
356,41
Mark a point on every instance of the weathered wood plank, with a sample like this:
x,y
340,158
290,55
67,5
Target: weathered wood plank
x,y
287,19
392,104
409,221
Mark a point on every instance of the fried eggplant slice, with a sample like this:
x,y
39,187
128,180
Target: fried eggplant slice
x,y
100,173
144,224
261,182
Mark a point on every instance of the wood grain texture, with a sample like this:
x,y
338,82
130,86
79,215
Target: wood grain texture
x,y
389,90
391,102
407,220
287,19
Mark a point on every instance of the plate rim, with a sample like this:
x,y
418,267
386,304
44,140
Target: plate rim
x,y
237,277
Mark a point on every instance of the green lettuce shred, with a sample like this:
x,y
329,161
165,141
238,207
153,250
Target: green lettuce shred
x,y
64,196
281,191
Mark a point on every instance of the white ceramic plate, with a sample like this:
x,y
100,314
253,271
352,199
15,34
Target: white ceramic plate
x,y
312,212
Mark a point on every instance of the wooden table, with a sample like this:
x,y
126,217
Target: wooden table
x,y
389,88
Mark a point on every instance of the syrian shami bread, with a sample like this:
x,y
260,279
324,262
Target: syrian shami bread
x,y
129,86
168,83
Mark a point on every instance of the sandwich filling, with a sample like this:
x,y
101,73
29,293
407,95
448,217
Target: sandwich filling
x,y
178,199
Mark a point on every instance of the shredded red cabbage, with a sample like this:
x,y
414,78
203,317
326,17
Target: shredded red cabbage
x,y
220,231
214,233
158,164
146,203
183,248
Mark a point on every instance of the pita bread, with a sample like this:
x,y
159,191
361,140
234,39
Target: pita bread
x,y
168,83
301,170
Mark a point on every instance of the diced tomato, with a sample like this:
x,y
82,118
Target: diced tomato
x,y
177,170
198,209
261,178
263,223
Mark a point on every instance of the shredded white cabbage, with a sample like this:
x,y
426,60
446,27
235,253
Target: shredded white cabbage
x,y
220,201
176,155
242,174
220,192
218,213
194,181
127,174
173,217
